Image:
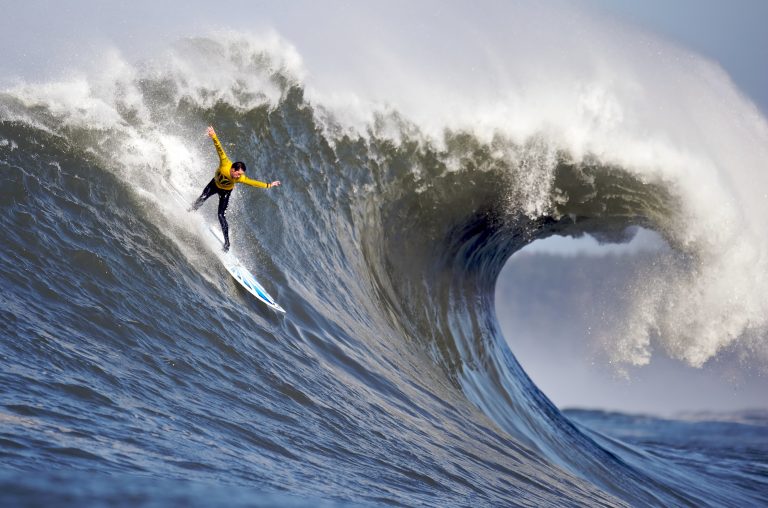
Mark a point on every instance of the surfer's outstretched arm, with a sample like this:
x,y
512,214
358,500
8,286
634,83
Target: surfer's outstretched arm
x,y
225,165
257,183
219,149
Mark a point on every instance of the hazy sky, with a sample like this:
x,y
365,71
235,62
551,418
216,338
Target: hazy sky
x,y
557,300
731,33
42,35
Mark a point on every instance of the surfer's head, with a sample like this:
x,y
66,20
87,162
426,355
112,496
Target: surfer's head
x,y
238,168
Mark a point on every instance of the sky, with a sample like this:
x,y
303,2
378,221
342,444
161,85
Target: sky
x,y
41,38
730,33
556,300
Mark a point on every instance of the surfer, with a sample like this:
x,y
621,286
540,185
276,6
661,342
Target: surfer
x,y
227,175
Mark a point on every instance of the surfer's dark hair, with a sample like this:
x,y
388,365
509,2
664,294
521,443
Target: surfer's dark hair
x,y
238,165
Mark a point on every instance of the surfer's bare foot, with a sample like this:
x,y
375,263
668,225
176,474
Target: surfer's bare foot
x,y
226,247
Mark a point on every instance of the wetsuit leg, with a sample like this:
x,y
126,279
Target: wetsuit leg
x,y
209,191
223,203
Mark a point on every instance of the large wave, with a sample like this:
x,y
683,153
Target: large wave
x,y
384,246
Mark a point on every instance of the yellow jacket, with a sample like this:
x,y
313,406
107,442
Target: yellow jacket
x,y
223,178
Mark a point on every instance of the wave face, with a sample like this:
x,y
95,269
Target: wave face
x,y
135,368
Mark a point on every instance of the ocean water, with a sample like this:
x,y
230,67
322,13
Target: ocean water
x,y
136,372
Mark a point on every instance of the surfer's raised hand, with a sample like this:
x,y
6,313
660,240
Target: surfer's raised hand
x,y
276,183
211,132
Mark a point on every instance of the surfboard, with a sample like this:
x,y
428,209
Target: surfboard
x,y
244,277
233,265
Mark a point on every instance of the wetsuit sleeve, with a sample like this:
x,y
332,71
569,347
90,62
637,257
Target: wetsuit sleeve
x,y
220,150
252,183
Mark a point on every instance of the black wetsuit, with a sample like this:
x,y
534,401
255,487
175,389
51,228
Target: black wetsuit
x,y
224,194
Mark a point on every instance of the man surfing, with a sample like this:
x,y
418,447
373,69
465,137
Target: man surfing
x,y
227,175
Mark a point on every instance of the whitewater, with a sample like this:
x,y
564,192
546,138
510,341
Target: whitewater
x,y
135,371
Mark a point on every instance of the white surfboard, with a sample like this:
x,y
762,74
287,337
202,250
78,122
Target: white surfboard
x,y
240,273
243,276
